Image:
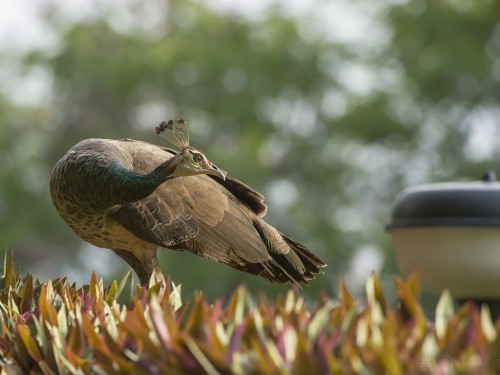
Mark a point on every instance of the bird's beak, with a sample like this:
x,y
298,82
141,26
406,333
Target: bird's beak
x,y
217,171
211,169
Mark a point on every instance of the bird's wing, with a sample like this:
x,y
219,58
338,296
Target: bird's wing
x,y
173,213
253,199
194,207
196,214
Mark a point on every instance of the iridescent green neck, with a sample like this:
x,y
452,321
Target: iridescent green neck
x,y
133,186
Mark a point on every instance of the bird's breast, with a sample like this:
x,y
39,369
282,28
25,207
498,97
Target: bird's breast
x,y
104,231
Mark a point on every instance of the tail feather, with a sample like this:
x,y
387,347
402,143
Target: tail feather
x,y
311,262
291,261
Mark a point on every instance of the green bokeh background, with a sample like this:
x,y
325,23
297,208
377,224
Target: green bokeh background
x,y
329,110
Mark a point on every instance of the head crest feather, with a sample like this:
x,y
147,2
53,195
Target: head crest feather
x,y
175,132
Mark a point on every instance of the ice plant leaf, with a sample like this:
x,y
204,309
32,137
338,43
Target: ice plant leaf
x,y
487,324
86,330
409,307
319,322
159,324
8,271
444,312
374,292
200,357
26,295
346,296
29,342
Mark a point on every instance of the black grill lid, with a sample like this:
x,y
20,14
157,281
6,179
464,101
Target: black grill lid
x,y
448,204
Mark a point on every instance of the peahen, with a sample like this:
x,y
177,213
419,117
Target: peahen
x,y
133,197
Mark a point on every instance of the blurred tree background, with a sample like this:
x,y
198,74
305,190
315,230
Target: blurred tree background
x,y
329,108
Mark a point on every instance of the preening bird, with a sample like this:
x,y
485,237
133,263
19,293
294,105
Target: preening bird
x,y
132,197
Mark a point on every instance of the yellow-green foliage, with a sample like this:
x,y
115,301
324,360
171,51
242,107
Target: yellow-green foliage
x,y
54,328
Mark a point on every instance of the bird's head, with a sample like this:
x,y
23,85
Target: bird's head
x,y
190,161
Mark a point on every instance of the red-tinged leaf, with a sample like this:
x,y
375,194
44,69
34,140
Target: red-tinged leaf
x,y
216,355
47,312
474,334
494,351
487,324
170,319
286,343
389,354
374,292
6,333
21,354
46,369
237,305
413,284
93,286
69,299
346,298
115,350
29,343
94,340
409,307
329,342
195,325
154,290
159,324
318,322
8,272
137,312
444,313
258,358
74,357
76,342
322,359
203,357
137,330
111,292
305,363
114,345
215,311
59,284
26,295
234,343
87,304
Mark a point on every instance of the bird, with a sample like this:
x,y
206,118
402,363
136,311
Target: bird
x,y
134,197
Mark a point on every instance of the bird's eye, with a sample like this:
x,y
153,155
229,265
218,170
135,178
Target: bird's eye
x,y
197,158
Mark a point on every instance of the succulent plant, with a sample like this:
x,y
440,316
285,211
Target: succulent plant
x,y
55,328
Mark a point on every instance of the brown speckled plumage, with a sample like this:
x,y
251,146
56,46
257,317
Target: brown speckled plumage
x,y
120,195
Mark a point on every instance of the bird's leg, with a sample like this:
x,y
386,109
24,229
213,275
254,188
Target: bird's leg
x,y
144,269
